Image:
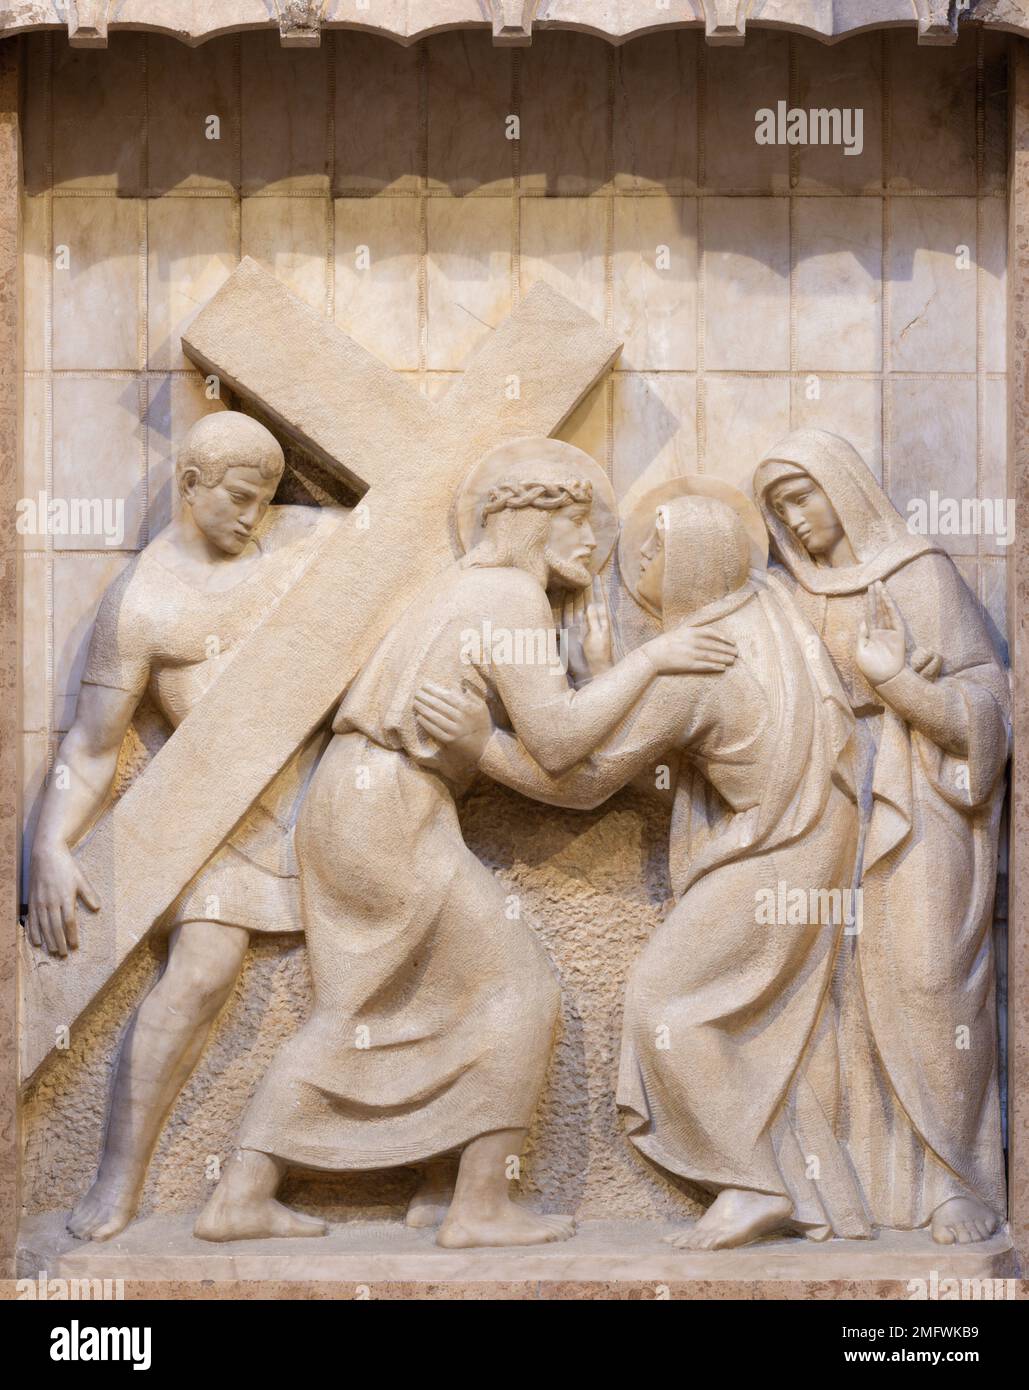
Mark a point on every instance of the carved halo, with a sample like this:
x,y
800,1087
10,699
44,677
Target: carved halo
x,y
546,461
638,525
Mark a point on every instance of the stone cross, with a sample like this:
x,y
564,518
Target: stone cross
x,y
371,426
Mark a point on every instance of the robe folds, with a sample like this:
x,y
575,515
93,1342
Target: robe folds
x,y
917,1011
434,1004
727,1075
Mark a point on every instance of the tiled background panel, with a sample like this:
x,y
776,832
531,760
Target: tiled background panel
x,y
932,118
470,255
193,116
933,446
97,269
378,142
470,100
733,93
564,242
566,88
655,431
654,258
378,258
291,238
746,284
848,76
192,246
99,462
755,288
656,125
837,284
932,284
99,116
284,121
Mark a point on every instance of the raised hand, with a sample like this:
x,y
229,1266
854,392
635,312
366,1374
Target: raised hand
x,y
881,644
586,620
691,651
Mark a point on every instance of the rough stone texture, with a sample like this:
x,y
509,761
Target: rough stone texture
x,y
10,314
627,127
299,22
1018,581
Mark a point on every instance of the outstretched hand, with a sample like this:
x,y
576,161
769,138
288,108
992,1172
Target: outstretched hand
x,y
691,651
459,720
881,645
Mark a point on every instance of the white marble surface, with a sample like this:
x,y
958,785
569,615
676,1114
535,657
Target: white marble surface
x,y
163,1247
724,21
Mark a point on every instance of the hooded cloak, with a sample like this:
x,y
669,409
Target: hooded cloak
x,y
920,1016
727,1075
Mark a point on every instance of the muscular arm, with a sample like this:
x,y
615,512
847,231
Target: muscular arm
x,y
660,723
559,726
89,752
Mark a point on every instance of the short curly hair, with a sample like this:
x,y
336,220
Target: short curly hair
x,y
228,439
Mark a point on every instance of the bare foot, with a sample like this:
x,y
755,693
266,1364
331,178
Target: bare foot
x,y
433,1196
962,1220
734,1218
106,1209
227,1219
508,1225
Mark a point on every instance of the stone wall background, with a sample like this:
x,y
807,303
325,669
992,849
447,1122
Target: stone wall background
x,y
783,264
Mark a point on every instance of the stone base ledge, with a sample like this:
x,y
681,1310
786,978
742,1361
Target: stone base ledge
x,y
161,1248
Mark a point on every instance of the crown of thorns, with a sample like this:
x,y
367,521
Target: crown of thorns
x,y
545,497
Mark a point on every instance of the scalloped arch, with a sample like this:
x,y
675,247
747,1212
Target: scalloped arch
x,y
513,22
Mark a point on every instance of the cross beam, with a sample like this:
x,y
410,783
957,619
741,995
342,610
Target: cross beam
x,y
372,427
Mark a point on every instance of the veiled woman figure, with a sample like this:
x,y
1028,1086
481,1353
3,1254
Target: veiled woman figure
x,y
728,1074
915,995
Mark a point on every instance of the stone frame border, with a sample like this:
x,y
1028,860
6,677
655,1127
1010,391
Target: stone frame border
x,y
300,22
10,781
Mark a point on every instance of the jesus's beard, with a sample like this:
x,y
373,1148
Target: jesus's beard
x,y
573,574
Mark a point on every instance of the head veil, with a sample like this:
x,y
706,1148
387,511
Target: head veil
x,y
707,561
877,532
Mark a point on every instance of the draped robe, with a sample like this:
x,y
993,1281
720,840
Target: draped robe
x,y
723,1076
434,1005
916,1009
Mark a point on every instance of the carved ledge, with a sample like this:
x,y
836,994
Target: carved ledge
x,y
300,23
87,23
938,20
512,22
725,21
